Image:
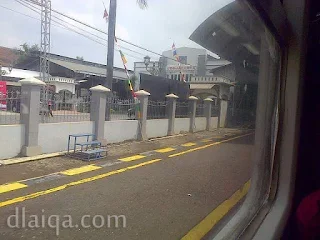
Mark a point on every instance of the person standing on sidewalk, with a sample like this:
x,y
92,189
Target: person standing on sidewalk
x,y
50,108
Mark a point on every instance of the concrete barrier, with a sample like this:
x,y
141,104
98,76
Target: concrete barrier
x,y
11,140
53,137
157,128
119,131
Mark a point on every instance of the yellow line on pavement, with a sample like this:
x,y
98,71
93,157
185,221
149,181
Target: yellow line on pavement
x,y
64,186
188,144
11,186
132,158
200,230
206,140
164,150
206,146
75,171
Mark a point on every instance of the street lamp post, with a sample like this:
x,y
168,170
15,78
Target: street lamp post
x,y
154,70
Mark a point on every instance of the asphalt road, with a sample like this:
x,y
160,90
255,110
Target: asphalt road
x,y
163,199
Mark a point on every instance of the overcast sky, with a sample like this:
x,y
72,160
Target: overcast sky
x,y
156,28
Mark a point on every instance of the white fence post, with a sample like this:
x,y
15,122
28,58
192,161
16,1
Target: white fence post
x,y
142,118
98,110
207,105
171,110
29,115
192,112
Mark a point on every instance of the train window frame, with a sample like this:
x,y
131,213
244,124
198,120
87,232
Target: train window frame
x,y
267,221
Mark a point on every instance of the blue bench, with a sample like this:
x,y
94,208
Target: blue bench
x,y
94,153
92,150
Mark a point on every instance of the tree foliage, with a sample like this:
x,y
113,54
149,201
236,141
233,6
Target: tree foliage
x,y
26,51
79,58
143,4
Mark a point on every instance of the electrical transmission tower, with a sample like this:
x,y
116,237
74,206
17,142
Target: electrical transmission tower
x,y
45,38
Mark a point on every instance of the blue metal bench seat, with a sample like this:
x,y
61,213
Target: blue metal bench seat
x,y
93,153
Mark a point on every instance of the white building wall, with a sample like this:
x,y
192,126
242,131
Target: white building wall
x,y
214,122
181,125
11,140
157,128
200,123
64,86
191,53
53,137
119,131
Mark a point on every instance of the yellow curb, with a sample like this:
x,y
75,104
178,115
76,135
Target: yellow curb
x,y
164,150
75,171
11,186
132,158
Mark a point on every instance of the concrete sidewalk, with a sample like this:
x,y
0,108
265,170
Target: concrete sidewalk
x,y
46,164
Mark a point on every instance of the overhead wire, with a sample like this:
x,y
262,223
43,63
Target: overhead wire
x,y
60,25
95,35
101,31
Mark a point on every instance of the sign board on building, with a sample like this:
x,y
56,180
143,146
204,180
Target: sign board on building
x,y
182,68
3,95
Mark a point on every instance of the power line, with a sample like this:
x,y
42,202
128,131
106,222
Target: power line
x,y
101,31
31,7
60,25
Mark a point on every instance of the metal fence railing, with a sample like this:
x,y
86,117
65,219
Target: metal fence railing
x,y
10,108
182,109
200,110
214,110
61,108
157,110
122,109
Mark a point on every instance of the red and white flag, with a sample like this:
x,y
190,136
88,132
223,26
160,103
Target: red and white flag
x,y
105,14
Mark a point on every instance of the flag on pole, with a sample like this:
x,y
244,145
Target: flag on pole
x,y
124,60
174,51
105,14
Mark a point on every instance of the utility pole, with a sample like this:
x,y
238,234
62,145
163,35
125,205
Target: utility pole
x,y
110,56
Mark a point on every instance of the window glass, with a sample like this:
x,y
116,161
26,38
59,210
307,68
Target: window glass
x,y
177,114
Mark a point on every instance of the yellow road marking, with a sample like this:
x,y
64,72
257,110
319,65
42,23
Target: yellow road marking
x,y
64,186
200,230
188,144
11,186
206,140
206,146
75,171
132,158
164,150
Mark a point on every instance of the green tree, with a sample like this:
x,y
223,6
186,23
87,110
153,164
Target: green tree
x,y
79,58
142,3
26,51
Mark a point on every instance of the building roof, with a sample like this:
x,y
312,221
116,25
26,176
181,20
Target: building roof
x,y
19,73
8,56
85,67
229,32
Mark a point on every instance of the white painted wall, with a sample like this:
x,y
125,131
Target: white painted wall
x,y
157,128
181,125
53,137
200,123
191,53
223,113
121,130
214,122
11,140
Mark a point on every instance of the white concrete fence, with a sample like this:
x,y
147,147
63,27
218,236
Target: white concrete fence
x,y
31,137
